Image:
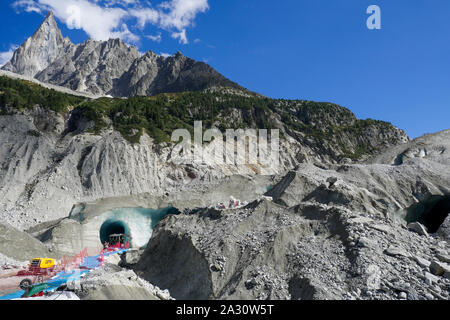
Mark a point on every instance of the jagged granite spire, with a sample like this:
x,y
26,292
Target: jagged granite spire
x,y
108,67
40,50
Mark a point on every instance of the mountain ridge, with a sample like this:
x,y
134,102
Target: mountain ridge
x,y
109,67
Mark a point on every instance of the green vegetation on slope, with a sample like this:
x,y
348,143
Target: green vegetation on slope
x,y
20,94
160,115
325,123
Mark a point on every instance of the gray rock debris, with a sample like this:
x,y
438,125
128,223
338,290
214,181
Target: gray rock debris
x,y
303,252
319,239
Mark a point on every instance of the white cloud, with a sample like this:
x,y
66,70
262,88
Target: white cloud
x,y
180,14
181,36
28,5
100,23
165,55
156,38
145,16
7,55
104,19
125,34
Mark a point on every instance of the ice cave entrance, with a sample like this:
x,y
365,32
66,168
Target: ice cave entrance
x,y
135,223
431,212
112,226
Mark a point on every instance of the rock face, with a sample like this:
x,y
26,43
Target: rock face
x,y
152,74
93,66
108,67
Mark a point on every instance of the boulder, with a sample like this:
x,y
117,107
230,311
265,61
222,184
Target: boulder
x,y
368,243
439,268
430,279
396,251
422,262
402,295
418,228
130,258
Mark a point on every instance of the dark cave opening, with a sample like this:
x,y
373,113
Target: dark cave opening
x,y
399,160
110,227
431,212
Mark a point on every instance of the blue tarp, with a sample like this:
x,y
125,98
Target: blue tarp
x,y
89,264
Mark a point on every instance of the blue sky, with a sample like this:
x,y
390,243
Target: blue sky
x,y
318,50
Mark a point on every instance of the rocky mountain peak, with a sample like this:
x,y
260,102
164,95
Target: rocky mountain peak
x,y
116,42
40,50
150,53
178,54
49,23
50,15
